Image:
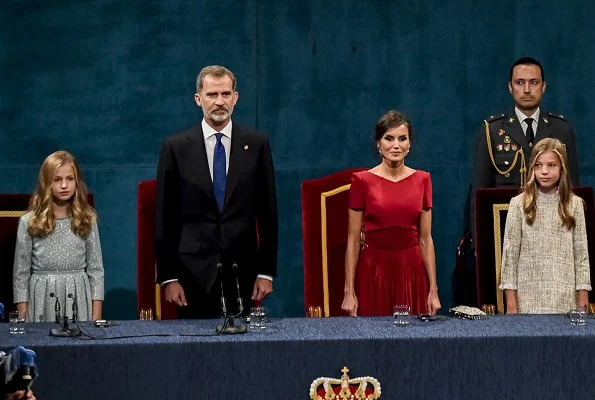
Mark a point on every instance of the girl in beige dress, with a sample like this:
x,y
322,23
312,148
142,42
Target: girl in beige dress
x,y
58,253
545,260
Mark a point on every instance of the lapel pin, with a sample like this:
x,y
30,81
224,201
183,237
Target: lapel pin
x,y
499,147
246,147
501,132
506,139
545,120
511,120
507,148
514,147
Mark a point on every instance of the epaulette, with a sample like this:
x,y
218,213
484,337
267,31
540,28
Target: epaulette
x,y
559,116
495,118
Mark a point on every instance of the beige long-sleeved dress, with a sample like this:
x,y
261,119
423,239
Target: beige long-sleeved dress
x,y
545,263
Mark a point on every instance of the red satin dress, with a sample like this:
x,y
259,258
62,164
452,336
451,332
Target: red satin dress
x,y
390,269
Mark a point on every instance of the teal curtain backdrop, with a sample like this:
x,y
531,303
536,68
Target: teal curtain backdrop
x,y
108,80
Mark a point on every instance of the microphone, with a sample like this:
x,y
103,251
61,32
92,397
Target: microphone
x,y
64,330
57,308
75,307
240,302
223,306
229,326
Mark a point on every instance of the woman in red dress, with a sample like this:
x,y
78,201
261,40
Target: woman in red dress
x,y
395,264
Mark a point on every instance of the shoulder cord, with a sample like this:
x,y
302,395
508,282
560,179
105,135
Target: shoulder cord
x,y
522,170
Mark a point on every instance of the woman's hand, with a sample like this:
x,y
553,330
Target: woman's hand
x,y
350,304
433,302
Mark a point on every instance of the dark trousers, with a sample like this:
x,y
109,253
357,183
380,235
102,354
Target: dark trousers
x,y
203,304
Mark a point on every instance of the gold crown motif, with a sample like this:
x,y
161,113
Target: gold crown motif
x,y
365,388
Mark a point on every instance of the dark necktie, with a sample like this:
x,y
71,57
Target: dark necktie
x,y
219,178
529,132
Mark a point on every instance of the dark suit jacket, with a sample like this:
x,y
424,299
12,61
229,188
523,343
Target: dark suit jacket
x,y
191,234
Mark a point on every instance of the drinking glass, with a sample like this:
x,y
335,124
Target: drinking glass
x,y
16,323
401,314
578,316
258,318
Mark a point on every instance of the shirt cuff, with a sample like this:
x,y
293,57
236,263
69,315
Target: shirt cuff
x,y
508,286
267,277
583,287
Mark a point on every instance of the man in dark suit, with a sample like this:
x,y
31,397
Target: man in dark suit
x,y
216,207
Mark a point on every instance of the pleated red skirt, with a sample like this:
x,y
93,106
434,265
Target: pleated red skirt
x,y
390,271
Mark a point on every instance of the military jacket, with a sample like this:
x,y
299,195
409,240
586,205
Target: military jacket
x,y
495,163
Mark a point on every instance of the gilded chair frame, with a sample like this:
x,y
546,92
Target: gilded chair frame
x,y
323,231
497,209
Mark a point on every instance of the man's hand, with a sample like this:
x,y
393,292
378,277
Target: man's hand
x,y
174,293
262,288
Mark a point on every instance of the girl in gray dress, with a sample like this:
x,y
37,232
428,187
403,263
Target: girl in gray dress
x,y
545,259
58,254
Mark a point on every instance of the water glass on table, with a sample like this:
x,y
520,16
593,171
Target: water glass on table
x,y
578,316
258,318
401,315
16,323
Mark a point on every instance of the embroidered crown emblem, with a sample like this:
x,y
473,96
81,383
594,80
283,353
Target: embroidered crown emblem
x,y
366,388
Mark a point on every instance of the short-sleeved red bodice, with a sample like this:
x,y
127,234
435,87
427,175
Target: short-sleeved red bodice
x,y
390,268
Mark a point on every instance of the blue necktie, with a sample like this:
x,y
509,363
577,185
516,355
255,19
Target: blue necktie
x,y
219,178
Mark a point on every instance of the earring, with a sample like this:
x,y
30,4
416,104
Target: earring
x,y
378,148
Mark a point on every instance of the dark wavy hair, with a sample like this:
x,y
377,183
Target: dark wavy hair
x,y
389,120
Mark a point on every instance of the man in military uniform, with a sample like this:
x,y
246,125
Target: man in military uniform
x,y
504,144
503,152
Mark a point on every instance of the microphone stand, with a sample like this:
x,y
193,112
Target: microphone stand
x,y
64,330
75,316
229,327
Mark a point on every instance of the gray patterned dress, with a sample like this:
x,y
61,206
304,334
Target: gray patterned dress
x,y
61,263
545,263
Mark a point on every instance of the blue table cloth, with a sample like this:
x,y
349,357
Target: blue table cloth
x,y
501,357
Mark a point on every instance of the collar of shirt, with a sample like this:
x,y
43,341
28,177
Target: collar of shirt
x,y
522,117
208,131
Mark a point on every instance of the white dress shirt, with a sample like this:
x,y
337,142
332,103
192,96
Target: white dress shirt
x,y
522,117
211,140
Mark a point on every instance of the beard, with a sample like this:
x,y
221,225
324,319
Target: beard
x,y
219,117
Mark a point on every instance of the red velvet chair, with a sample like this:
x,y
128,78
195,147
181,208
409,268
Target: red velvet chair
x,y
12,207
149,293
491,206
324,235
